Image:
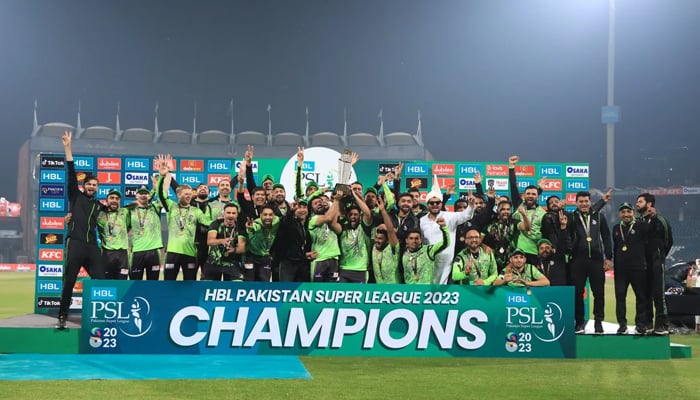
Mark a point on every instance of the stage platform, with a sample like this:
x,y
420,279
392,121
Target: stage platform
x,y
36,333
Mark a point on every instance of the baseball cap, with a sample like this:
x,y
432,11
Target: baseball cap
x,y
114,191
625,205
516,252
143,189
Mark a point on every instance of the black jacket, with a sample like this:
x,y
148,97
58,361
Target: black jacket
x,y
600,246
83,209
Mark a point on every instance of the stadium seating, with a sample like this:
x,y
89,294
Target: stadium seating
x,y
175,136
137,135
399,139
98,132
362,139
288,139
325,139
213,137
251,137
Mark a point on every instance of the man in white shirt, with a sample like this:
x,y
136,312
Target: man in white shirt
x,y
432,234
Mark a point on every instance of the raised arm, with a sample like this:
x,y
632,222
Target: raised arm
x,y
524,226
163,165
390,230
250,179
513,181
298,191
366,212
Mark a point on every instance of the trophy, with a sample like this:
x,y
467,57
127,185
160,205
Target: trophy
x,y
344,173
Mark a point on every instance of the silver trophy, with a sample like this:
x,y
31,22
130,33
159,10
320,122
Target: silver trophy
x,y
344,173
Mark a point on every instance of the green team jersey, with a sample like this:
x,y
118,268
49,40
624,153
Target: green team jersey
x,y
260,238
483,266
354,247
527,241
323,240
113,227
385,264
418,265
529,273
182,223
145,228
218,255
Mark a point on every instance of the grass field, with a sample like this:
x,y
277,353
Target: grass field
x,y
388,378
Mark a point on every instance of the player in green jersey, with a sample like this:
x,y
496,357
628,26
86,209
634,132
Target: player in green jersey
x,y
475,264
113,225
519,273
324,229
146,237
261,236
354,241
226,247
418,259
386,249
182,219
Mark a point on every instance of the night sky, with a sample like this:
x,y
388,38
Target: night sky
x,y
491,77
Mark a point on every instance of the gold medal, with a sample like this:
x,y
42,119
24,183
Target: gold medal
x,y
589,239
140,231
624,248
415,277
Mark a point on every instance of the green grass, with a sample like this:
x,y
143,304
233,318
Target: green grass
x,y
16,294
390,378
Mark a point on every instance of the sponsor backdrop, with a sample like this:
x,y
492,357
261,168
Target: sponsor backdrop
x,y
321,165
326,319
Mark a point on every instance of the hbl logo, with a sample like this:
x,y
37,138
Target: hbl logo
x,y
136,164
51,204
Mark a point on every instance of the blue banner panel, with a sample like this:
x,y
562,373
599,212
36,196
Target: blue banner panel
x,y
326,319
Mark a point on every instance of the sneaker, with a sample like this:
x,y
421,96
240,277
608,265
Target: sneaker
x,y
660,331
598,328
61,324
622,330
640,330
580,329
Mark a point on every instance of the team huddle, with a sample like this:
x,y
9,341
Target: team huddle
x,y
374,234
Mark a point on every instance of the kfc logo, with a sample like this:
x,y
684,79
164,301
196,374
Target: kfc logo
x,y
51,254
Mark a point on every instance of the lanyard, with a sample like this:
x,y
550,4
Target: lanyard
x,y
111,221
181,220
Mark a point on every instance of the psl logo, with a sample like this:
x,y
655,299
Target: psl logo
x,y
553,322
546,325
133,320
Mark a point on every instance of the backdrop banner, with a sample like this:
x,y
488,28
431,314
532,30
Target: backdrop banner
x,y
326,319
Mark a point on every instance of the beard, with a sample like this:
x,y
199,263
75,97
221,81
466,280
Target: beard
x,y
546,255
642,210
202,196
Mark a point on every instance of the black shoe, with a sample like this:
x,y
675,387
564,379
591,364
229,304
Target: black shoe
x,y
580,329
598,328
640,330
61,324
660,331
622,330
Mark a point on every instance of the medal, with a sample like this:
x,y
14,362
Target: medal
x,y
501,250
140,231
624,248
589,239
415,277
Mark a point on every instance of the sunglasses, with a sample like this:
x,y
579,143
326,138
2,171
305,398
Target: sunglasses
x,y
434,203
